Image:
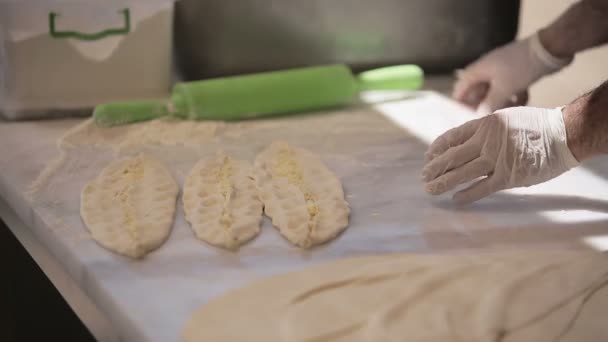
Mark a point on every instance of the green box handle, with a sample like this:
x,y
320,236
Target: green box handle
x,y
90,36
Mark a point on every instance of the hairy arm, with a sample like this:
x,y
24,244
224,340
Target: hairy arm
x,y
586,121
583,26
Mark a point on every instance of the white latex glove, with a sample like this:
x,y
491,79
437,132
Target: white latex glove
x,y
501,78
514,147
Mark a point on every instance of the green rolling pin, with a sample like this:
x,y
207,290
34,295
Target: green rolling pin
x,y
263,94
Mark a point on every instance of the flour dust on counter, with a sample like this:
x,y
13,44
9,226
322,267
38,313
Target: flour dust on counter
x,y
129,207
525,296
221,202
170,138
304,199
43,178
125,138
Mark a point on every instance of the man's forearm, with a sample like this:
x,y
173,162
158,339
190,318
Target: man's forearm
x,y
583,26
586,121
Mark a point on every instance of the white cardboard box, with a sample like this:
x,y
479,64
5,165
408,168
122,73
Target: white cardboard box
x,y
66,56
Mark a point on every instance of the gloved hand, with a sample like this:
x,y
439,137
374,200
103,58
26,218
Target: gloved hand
x,y
514,147
501,78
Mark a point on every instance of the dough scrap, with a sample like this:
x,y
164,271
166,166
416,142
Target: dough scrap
x,y
304,199
509,297
129,207
221,202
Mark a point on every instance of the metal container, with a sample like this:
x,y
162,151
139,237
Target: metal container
x,y
219,37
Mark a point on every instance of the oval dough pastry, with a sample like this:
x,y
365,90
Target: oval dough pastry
x,y
129,207
508,297
221,202
302,196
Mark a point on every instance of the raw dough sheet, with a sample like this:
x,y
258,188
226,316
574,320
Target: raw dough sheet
x,y
530,296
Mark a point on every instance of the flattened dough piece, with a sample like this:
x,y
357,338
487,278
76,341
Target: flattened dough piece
x,y
511,297
129,207
304,199
221,202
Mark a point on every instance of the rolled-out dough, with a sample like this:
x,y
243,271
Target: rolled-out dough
x,y
221,201
509,297
304,199
129,207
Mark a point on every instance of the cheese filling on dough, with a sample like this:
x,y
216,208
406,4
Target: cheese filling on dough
x,y
289,168
129,206
221,202
133,174
226,190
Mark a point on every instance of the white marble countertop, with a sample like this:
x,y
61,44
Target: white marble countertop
x,y
377,152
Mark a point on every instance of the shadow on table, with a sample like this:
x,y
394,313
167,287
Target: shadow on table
x,y
513,220
523,204
597,166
